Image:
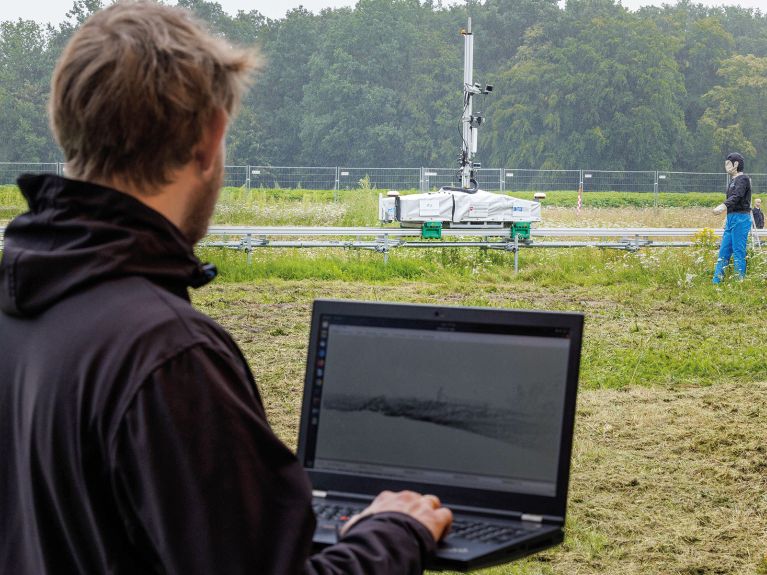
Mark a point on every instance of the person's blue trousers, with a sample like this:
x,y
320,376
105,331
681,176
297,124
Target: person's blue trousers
x,y
734,242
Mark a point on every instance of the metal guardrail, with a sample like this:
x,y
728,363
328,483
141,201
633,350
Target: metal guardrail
x,y
307,231
385,239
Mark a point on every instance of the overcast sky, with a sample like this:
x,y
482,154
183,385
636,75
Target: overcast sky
x,y
54,11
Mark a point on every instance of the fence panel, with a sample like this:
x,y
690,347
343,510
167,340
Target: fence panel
x,y
288,177
379,178
691,182
489,179
435,178
613,181
516,180
10,171
235,176
758,184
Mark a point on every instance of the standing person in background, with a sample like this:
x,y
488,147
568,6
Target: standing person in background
x,y
133,438
758,214
738,223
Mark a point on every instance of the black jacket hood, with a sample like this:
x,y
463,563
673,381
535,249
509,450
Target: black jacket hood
x,y
77,233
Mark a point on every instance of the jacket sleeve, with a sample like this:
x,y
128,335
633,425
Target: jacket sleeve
x,y
737,198
204,486
201,482
384,543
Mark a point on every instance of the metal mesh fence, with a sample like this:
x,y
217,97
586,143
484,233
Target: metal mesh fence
x,y
288,177
489,179
606,181
10,171
683,182
541,180
435,178
379,178
758,184
235,176
426,179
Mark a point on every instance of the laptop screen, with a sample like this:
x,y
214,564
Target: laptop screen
x,y
439,402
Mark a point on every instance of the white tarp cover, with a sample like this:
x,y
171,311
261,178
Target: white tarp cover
x,y
431,207
457,207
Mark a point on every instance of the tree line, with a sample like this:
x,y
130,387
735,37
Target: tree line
x,y
591,84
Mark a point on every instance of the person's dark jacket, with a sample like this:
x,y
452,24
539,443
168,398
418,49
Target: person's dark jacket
x,y
132,435
758,218
739,195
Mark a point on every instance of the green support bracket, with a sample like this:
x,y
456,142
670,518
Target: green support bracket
x,y
431,230
520,230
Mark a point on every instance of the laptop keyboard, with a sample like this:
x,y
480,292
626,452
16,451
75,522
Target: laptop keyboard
x,y
483,532
472,530
331,512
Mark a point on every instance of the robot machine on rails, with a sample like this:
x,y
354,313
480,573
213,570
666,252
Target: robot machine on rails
x,y
464,206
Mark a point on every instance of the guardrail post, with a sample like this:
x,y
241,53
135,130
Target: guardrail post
x,y
249,244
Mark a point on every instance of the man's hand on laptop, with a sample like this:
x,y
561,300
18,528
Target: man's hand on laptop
x,y
425,508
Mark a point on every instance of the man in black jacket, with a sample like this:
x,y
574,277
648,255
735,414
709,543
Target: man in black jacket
x,y
132,434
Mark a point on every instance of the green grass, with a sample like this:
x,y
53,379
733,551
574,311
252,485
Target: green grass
x,y
12,203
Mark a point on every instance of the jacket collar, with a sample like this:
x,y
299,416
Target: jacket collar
x,y
78,233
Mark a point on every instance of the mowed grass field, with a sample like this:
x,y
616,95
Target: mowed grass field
x,y
670,454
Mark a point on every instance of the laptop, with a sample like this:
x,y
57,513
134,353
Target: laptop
x,y
473,405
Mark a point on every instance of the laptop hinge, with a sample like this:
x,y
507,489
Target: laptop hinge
x,y
364,499
532,517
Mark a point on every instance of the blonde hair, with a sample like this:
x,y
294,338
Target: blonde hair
x,y
135,87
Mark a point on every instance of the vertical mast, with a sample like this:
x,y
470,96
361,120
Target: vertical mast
x,y
470,122
469,144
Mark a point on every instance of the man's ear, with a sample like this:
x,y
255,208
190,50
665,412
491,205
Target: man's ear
x,y
212,139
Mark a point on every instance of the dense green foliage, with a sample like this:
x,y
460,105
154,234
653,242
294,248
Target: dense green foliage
x,y
591,85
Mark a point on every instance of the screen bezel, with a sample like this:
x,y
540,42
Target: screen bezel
x,y
527,322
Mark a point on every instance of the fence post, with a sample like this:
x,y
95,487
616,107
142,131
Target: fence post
x,y
247,178
337,185
501,186
655,196
421,179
